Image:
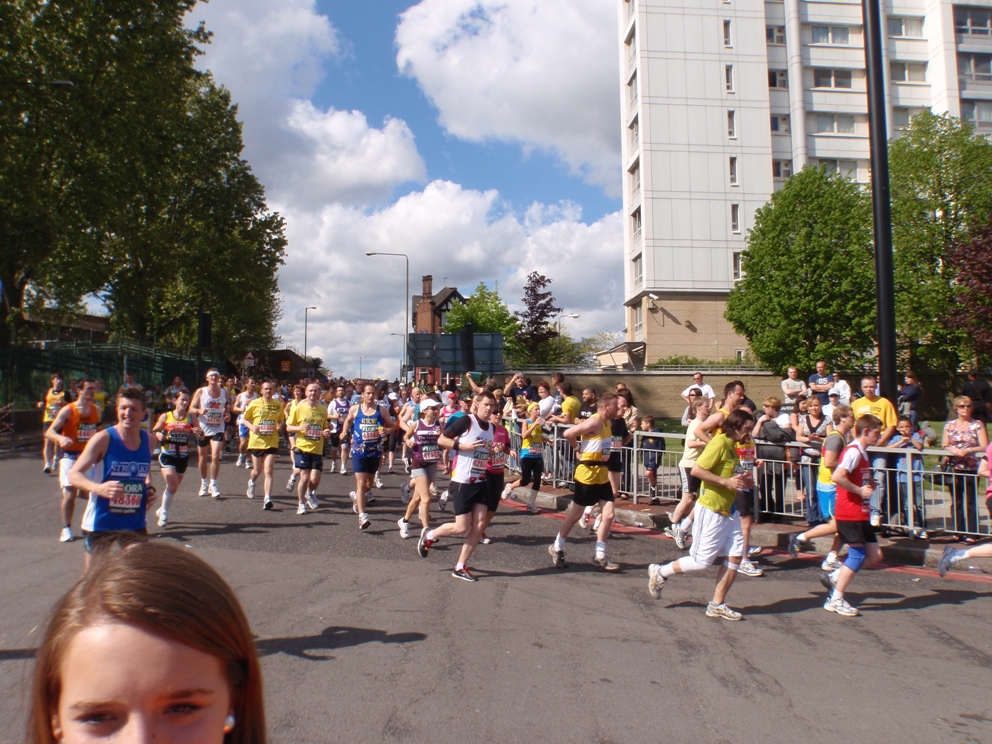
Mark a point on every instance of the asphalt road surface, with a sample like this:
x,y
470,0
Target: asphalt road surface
x,y
363,641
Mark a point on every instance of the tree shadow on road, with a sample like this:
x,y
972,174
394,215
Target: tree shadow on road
x,y
182,531
918,602
333,637
17,654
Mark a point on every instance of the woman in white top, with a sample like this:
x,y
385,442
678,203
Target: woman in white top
x,y
682,516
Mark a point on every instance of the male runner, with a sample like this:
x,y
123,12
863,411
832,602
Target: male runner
x,y
240,404
853,479
470,439
73,427
337,412
123,493
211,406
262,417
55,400
591,440
308,421
368,424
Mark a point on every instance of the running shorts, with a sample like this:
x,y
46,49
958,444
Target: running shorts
x,y
263,451
690,483
307,460
210,438
828,500
94,541
496,482
171,461
744,503
65,465
465,496
715,536
590,494
243,431
856,533
363,464
334,440
531,470
427,470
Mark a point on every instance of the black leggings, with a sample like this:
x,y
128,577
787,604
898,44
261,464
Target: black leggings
x,y
531,470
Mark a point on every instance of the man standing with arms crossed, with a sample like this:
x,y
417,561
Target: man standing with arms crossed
x,y
884,411
212,407
72,430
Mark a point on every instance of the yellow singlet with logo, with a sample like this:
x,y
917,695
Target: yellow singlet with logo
x,y
311,439
267,417
594,451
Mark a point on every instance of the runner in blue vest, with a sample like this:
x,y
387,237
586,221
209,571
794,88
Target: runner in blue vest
x,y
369,424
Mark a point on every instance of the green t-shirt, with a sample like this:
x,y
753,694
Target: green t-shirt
x,y
570,407
720,458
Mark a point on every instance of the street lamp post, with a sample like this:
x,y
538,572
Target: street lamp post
x,y
403,340
406,330
360,360
560,316
306,319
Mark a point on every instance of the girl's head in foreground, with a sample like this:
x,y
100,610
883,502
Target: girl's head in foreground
x,y
150,645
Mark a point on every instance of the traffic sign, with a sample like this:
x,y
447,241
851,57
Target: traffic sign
x,y
249,360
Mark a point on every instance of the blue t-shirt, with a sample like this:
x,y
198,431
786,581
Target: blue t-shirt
x,y
826,379
130,469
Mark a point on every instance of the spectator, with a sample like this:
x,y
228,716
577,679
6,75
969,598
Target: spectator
x,y
771,457
820,382
704,388
589,404
907,438
980,393
621,435
843,388
828,410
792,388
884,411
909,398
811,430
652,447
545,402
557,379
570,406
628,410
687,414
964,437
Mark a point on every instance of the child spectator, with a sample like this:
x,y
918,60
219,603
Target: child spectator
x,y
907,439
651,446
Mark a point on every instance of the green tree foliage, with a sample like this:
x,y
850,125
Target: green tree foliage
x,y
130,185
488,313
808,290
941,193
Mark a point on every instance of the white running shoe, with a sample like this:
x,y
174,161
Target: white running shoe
x,y
406,464
749,569
378,481
354,502
404,528
442,503
312,500
655,580
214,491
599,521
66,534
363,522
267,504
830,564
332,466
251,488
163,518
405,493
248,463
291,483
344,470
433,490
507,490
301,509
240,462
583,522
203,489
841,607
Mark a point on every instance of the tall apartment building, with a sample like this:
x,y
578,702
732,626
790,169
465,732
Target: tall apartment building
x,y
724,99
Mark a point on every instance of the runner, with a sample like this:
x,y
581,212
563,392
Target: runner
x,y
425,454
123,492
55,400
470,440
826,489
308,422
681,518
853,479
337,412
591,440
211,406
496,467
263,417
531,453
408,415
174,430
368,423
717,532
240,404
299,392
73,427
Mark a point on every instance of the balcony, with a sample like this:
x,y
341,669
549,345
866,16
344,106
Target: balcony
x,y
978,81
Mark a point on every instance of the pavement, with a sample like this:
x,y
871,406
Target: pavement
x,y
361,640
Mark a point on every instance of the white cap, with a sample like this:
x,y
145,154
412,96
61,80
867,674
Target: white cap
x,y
833,391
429,403
392,396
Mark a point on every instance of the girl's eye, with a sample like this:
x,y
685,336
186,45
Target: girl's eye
x,y
183,708
95,719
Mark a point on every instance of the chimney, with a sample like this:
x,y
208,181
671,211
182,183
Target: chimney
x,y
428,291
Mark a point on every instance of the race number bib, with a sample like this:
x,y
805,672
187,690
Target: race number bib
x,y
616,444
430,452
53,410
213,416
129,501
480,461
745,452
266,426
313,433
85,432
536,448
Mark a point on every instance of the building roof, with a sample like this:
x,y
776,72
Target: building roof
x,y
442,302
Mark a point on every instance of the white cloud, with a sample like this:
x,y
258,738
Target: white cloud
x,y
543,73
272,55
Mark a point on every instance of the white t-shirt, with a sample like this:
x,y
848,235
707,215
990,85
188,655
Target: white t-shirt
x,y
705,389
546,406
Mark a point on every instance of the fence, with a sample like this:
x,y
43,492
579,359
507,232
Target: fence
x,y
912,499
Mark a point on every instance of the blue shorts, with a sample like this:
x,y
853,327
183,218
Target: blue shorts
x,y
242,431
307,460
828,498
365,463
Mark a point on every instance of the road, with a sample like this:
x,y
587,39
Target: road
x,y
362,640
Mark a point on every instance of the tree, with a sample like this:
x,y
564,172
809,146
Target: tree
x,y
808,290
537,320
941,193
971,312
488,313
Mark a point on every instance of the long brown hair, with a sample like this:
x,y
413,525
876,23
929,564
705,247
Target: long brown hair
x,y
166,591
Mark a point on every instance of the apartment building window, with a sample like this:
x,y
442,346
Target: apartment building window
x,y
638,312
778,79
630,7
824,77
975,68
908,72
740,355
780,123
847,168
727,40
831,34
637,269
635,179
903,115
738,273
635,134
733,171
635,220
973,21
731,125
833,124
781,168
631,50
632,90
735,218
728,74
906,27
775,34
978,114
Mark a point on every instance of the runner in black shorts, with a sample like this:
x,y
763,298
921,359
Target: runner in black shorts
x,y
175,432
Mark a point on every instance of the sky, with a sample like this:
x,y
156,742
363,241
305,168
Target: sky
x,y
480,137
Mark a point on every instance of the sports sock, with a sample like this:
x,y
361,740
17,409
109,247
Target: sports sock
x,y
834,575
600,549
430,535
213,483
832,555
686,525
459,566
837,594
167,498
559,542
801,537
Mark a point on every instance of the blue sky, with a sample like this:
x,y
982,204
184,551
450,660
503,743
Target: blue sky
x,y
481,137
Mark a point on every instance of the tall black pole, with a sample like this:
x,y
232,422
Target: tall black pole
x,y
881,208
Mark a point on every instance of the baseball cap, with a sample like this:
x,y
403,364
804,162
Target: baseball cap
x,y
429,403
834,391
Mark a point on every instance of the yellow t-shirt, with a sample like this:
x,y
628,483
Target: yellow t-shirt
x,y
571,406
311,439
594,452
722,457
266,416
100,400
880,408
54,403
